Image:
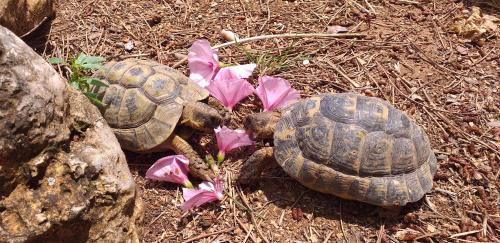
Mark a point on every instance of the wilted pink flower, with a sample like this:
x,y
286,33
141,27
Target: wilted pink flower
x,y
228,139
172,168
229,89
203,62
275,92
204,65
206,192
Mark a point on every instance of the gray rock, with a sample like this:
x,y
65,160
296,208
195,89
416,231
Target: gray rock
x,y
63,175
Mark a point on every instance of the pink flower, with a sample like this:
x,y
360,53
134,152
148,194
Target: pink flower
x,y
203,62
204,65
275,92
206,192
172,168
228,88
228,139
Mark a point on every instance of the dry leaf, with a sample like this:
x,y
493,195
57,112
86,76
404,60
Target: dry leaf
x,y
406,234
462,50
336,29
493,124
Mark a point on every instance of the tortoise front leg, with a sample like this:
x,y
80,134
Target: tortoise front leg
x,y
258,162
197,166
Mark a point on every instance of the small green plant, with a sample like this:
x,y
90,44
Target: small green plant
x,y
79,70
274,62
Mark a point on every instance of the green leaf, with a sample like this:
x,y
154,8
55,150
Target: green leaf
x,y
95,82
89,62
93,97
55,60
91,66
75,85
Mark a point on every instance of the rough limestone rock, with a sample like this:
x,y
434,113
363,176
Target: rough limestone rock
x,y
63,175
20,16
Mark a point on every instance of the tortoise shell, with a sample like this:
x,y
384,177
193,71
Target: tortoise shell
x,y
144,101
355,147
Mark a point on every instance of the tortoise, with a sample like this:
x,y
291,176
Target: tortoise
x,y
348,145
145,101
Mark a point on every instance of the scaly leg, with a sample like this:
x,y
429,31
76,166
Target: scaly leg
x,y
258,162
197,166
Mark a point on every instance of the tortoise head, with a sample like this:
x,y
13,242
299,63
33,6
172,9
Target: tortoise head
x,y
200,116
261,125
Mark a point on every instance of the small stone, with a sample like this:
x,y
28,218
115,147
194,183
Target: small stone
x,y
462,50
229,35
431,228
40,218
51,181
129,46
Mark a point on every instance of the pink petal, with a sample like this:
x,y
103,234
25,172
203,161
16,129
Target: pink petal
x,y
228,139
236,72
207,192
203,62
172,168
275,92
229,91
200,198
188,193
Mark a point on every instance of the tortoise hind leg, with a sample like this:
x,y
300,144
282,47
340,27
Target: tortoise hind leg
x,y
197,166
258,162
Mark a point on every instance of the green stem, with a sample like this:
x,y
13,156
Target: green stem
x,y
188,184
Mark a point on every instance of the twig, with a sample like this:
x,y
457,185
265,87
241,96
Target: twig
x,y
480,60
209,234
354,83
248,234
248,231
265,37
449,193
35,28
268,16
381,233
485,224
465,233
427,235
370,6
342,223
157,217
252,217
408,1
328,236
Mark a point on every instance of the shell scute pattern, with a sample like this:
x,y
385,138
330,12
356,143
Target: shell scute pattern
x,y
144,101
348,140
161,87
376,154
370,114
327,144
135,109
339,108
320,131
